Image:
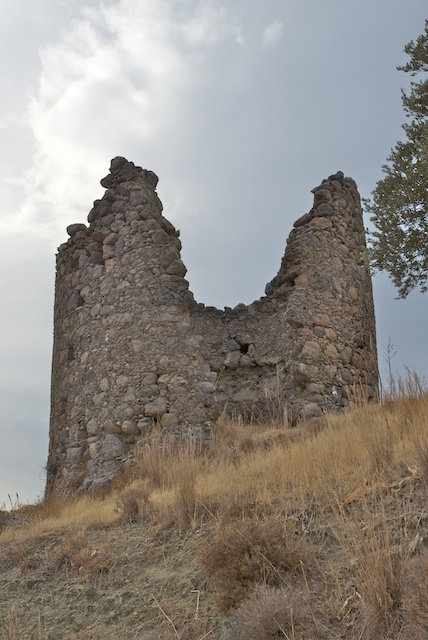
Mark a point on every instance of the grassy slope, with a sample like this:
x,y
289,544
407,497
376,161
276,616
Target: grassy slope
x,y
307,533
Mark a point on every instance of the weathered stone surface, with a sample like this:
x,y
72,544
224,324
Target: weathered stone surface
x,y
129,426
156,408
99,486
112,447
145,424
74,455
311,349
311,410
134,351
232,359
72,229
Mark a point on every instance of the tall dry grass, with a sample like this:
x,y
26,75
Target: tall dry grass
x,y
63,513
252,469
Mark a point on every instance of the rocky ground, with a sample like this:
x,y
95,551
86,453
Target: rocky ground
x,y
127,581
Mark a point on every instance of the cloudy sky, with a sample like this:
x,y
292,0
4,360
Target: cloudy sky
x,y
241,108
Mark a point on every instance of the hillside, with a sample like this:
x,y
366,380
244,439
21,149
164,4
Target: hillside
x,y
320,531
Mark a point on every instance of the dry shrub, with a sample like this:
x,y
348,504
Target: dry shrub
x,y
249,553
132,502
152,463
76,553
251,469
270,613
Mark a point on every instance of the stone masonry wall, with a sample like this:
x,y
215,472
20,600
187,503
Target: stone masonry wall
x,y
134,352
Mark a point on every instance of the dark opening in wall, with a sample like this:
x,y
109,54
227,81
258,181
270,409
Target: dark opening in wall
x,y
244,347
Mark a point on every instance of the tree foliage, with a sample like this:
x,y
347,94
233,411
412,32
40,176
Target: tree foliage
x,y
399,204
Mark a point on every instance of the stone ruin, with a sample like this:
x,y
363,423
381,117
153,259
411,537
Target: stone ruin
x,y
134,353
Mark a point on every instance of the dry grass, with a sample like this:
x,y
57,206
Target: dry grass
x,y
62,514
326,510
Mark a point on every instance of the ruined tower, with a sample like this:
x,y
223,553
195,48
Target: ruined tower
x,y
134,352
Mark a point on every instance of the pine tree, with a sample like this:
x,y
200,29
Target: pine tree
x,y
399,203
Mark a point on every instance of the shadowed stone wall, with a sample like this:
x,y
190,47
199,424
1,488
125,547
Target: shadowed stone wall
x,y
134,352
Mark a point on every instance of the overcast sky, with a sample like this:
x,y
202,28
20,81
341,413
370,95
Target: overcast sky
x,y
241,107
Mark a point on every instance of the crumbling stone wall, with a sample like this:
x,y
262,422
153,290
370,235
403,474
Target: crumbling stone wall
x,y
134,352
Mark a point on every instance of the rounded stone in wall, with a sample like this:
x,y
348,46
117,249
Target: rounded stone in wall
x,y
129,395
94,450
137,345
112,447
331,352
304,372
129,427
74,455
330,371
92,426
313,387
311,349
169,420
311,410
72,229
156,408
177,268
321,196
111,427
346,355
347,376
100,486
144,424
98,399
319,332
